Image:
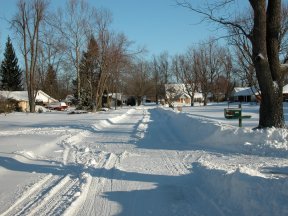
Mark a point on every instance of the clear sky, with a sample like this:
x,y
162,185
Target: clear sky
x,y
158,25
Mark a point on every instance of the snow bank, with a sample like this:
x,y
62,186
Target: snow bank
x,y
242,194
216,135
143,125
110,121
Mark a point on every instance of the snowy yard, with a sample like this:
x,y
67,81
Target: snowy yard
x,y
144,160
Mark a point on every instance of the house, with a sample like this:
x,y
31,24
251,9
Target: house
x,y
119,97
250,94
245,94
21,98
285,93
44,98
177,93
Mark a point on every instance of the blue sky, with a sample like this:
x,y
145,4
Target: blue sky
x,y
159,25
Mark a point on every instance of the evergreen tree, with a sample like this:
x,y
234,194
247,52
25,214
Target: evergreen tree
x,y
50,83
89,74
11,74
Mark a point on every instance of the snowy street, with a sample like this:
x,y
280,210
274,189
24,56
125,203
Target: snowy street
x,y
145,160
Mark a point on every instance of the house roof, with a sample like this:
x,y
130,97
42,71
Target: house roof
x,y
16,95
179,90
247,91
244,91
285,89
23,96
42,96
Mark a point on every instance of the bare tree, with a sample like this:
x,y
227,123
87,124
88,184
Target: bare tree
x,y
265,40
185,70
27,24
51,54
74,25
139,82
208,66
104,39
161,74
156,79
227,81
119,60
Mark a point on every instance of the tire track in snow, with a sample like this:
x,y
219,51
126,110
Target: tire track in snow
x,y
93,199
93,203
171,160
173,164
30,196
168,137
58,198
34,196
51,196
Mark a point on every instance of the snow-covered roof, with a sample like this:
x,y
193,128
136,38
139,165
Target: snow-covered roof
x,y
285,89
23,96
45,98
16,95
244,91
179,91
176,87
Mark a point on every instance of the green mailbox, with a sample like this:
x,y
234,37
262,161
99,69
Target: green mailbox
x,y
232,113
235,113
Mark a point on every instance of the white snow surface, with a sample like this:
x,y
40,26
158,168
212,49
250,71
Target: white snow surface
x,y
147,160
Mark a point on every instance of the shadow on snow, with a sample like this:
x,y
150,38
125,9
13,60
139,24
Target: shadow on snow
x,y
201,192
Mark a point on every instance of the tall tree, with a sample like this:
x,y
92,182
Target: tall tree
x,y
243,46
89,74
265,40
75,24
209,66
139,82
11,74
161,74
50,84
27,23
185,69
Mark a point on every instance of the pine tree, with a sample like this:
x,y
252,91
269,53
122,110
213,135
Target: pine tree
x,y
89,74
11,74
50,83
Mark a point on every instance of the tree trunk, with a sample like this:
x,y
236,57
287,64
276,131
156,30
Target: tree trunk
x,y
263,38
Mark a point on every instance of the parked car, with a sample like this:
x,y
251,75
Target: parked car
x,y
60,106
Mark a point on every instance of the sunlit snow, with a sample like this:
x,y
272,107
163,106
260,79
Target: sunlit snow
x,y
147,160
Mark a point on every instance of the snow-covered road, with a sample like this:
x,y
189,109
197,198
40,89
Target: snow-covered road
x,y
139,161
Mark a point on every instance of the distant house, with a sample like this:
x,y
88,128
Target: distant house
x,y
250,94
244,94
119,97
177,93
44,98
21,98
285,93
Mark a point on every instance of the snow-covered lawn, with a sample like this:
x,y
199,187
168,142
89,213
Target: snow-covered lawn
x,y
144,160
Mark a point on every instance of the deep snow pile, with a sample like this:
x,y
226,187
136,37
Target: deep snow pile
x,y
266,142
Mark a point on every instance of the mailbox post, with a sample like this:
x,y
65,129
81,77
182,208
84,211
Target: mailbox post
x,y
240,118
235,113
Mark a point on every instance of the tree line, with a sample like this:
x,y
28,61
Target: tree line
x,y
75,51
